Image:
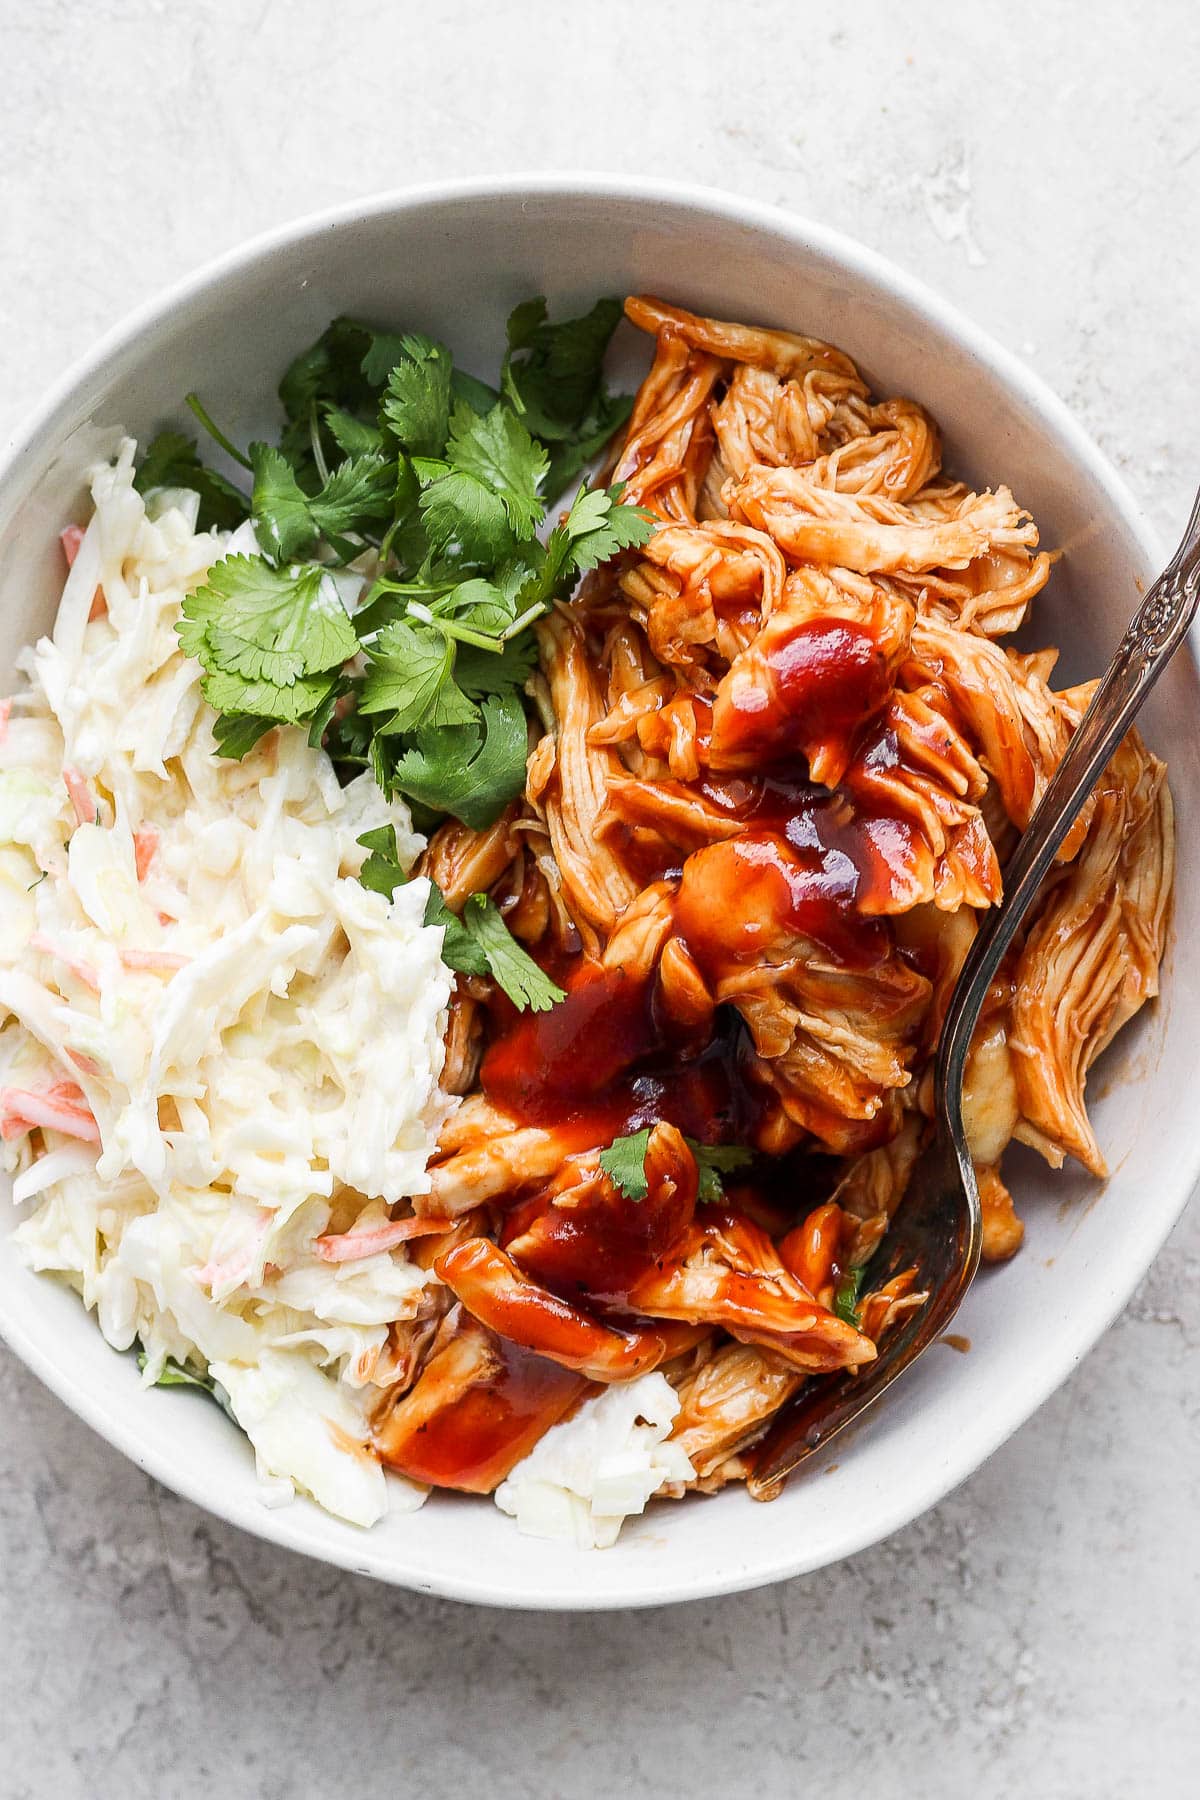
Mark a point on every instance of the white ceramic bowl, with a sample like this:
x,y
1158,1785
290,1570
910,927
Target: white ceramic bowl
x,y
453,261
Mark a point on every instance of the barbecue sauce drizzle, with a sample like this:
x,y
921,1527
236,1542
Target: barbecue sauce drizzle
x,y
822,863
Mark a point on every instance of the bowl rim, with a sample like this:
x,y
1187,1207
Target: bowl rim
x,y
639,1588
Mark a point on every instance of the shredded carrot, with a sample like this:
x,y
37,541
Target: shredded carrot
x,y
21,1110
351,1246
83,971
87,1065
81,797
154,959
69,1092
145,844
5,716
236,1268
70,539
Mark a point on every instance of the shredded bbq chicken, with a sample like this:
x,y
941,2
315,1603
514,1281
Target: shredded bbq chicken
x,y
789,754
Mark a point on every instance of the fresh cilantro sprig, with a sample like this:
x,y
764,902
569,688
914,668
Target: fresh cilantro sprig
x,y
382,872
288,522
472,770
268,640
714,1161
434,485
624,1162
846,1295
526,985
553,378
477,943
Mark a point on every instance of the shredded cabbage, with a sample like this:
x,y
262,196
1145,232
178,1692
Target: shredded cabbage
x,y
585,1477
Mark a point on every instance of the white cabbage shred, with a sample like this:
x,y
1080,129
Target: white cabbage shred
x,y
231,1047
585,1477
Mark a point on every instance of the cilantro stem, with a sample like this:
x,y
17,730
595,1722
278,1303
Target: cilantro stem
x,y
387,586
215,432
527,617
314,432
450,628
385,546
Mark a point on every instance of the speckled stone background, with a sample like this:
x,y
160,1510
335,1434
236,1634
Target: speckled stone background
x,y
1036,1634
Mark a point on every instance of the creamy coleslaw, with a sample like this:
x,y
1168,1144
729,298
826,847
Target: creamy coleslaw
x,y
228,1047
220,1053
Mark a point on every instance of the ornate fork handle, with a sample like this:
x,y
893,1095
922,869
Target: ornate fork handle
x,y
1154,634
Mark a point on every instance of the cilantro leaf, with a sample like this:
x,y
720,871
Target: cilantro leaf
x,y
498,451
381,871
411,677
845,1297
380,756
290,704
713,1161
596,527
382,874
416,402
524,322
569,458
472,771
288,520
477,394
167,455
331,369
552,373
624,1162
171,462
358,492
526,985
351,435
323,718
553,378
480,672
235,735
387,348
478,943
391,347
266,625
459,949
481,605
465,520
283,523
344,733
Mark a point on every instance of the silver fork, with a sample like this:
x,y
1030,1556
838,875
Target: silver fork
x,y
938,1227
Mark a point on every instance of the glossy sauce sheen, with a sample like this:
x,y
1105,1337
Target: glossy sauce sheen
x,y
600,1064
809,866
473,1444
824,679
600,1246
808,863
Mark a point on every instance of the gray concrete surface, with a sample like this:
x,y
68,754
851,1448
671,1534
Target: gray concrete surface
x,y
1033,1636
